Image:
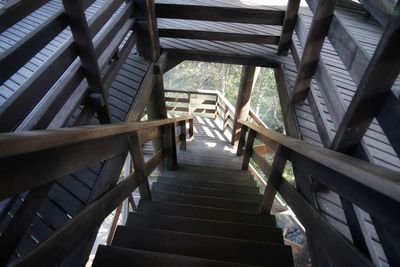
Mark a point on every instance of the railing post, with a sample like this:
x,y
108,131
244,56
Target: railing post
x,y
139,165
171,160
275,179
191,129
190,110
182,136
248,149
242,140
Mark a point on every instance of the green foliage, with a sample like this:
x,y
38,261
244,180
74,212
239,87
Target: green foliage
x,y
226,79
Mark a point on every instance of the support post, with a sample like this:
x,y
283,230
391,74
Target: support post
x,y
171,160
275,178
148,43
139,165
247,82
242,140
288,27
182,136
248,151
191,129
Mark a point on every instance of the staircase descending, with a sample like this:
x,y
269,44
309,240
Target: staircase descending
x,y
198,216
203,214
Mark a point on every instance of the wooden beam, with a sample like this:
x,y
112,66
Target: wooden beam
x,y
341,251
148,44
219,36
224,14
274,179
267,61
248,149
377,81
311,53
171,160
247,82
289,24
81,33
139,165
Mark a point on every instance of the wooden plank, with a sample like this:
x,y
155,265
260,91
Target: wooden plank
x,y
182,135
50,252
262,163
247,82
136,150
81,33
315,40
242,141
148,44
248,150
228,58
289,24
17,11
225,14
377,81
219,36
341,251
274,179
20,53
171,160
60,161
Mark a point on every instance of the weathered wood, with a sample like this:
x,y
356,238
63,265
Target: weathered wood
x,y
289,24
377,81
81,33
227,57
171,160
59,245
149,134
248,151
247,82
262,163
225,14
242,140
17,11
182,136
341,251
382,180
219,36
147,33
139,165
275,178
15,230
315,40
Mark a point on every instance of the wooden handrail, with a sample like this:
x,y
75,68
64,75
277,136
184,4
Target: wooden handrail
x,y
373,188
34,158
12,144
381,179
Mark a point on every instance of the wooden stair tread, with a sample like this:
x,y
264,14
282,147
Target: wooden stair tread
x,y
210,247
206,227
202,183
205,191
175,209
213,202
211,179
107,256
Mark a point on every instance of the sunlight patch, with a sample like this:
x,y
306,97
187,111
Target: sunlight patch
x,y
208,132
211,144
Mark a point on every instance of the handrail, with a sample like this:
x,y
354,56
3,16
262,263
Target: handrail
x,y
381,179
373,188
12,144
47,155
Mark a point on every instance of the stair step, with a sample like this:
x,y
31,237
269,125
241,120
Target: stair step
x,y
181,210
213,170
107,256
205,191
209,179
210,247
202,183
206,227
213,202
208,171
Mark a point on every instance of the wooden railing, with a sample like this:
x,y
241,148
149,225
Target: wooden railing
x,y
48,155
114,44
373,188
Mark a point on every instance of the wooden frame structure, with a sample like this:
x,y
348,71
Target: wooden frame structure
x,y
95,69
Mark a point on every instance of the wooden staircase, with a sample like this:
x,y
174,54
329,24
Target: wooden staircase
x,y
198,216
